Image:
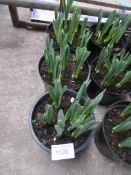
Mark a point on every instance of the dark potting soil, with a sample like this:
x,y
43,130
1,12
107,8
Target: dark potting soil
x,y
112,88
112,119
46,134
66,77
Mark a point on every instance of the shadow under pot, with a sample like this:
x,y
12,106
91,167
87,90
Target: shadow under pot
x,y
107,141
51,33
45,135
96,48
66,76
113,93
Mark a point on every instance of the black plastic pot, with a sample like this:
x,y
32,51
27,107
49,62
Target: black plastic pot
x,y
96,48
100,138
109,97
36,104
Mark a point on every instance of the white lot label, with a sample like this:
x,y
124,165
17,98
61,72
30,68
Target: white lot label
x,y
64,151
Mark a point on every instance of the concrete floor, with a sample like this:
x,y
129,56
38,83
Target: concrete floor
x,y
20,85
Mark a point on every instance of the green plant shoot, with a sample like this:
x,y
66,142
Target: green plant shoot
x,y
127,110
104,55
126,79
106,26
46,117
57,92
83,41
79,59
57,26
73,25
59,127
124,126
66,7
125,143
99,22
82,91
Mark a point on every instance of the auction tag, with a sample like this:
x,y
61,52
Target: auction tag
x,y
63,151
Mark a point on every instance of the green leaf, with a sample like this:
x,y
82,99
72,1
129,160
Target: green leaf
x,y
124,126
126,79
84,128
99,22
74,110
127,110
57,26
82,90
91,104
107,25
125,143
60,123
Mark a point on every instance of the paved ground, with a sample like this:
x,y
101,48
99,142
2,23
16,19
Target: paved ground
x,y
20,85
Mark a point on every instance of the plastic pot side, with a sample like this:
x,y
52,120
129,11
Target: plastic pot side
x,y
101,139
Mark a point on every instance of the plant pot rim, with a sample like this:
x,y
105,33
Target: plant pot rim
x,y
109,92
114,105
38,100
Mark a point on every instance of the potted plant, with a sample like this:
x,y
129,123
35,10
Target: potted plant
x,y
113,73
62,116
70,65
110,34
113,138
69,26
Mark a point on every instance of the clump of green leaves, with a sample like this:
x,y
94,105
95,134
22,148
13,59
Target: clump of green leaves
x,y
66,8
64,49
113,29
124,126
114,66
79,59
57,92
46,117
57,26
52,61
73,25
68,27
81,117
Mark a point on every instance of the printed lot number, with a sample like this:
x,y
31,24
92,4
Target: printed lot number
x,y
63,151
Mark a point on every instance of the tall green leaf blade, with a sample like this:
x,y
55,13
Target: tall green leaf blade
x,y
125,143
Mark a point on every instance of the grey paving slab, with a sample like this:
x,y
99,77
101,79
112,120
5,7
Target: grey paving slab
x,y
20,85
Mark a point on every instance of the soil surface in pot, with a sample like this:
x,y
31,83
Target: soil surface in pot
x,y
66,77
46,134
112,119
112,88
